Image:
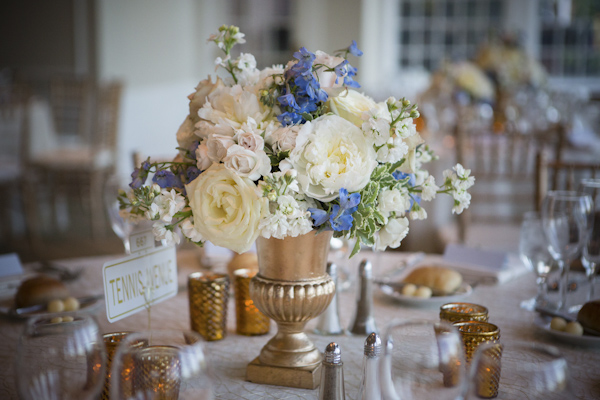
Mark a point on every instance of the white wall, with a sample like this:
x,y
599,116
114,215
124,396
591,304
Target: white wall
x,y
159,50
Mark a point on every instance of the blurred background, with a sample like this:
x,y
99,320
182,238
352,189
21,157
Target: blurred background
x,y
87,87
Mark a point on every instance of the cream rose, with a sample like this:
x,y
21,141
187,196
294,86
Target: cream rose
x,y
185,134
227,208
198,98
247,163
331,153
350,105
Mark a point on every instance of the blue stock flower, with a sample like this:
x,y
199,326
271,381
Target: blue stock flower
x,y
167,179
398,175
139,175
353,49
319,216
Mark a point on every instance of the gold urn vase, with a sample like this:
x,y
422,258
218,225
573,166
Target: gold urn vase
x,y
291,287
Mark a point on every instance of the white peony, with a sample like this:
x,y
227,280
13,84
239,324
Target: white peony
x,y
351,105
198,98
227,208
392,234
332,153
247,163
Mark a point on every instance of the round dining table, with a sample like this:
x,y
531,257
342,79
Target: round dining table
x,y
229,357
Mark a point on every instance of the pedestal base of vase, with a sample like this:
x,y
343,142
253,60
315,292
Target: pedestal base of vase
x,y
303,377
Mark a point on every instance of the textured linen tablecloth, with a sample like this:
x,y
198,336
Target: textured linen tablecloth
x,y
228,358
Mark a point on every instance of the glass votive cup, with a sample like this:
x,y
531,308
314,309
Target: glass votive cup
x,y
455,312
249,320
475,333
112,341
208,295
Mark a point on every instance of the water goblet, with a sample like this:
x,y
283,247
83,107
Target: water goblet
x,y
591,250
422,359
120,226
518,370
566,221
60,356
533,251
171,365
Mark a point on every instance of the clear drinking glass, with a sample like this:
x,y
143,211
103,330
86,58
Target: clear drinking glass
x,y
518,370
566,221
591,250
171,364
121,227
422,359
60,360
533,251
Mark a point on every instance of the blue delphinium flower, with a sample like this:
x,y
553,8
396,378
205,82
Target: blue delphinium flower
x,y
399,176
167,179
192,173
304,57
192,149
319,216
340,217
289,118
353,49
139,175
288,100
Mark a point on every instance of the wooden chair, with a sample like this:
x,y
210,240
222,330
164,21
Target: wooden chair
x,y
71,99
559,175
503,165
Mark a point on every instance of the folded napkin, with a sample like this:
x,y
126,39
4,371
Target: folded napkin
x,y
497,266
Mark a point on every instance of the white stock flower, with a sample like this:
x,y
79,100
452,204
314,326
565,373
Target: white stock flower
x,y
247,163
128,216
429,189
406,128
332,153
392,234
390,200
350,105
376,124
417,212
274,225
168,203
462,200
227,208
392,151
162,233
188,230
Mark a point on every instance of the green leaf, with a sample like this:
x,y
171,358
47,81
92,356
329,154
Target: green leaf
x,y
356,248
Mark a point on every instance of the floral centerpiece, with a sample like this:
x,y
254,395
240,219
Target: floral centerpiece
x,y
285,150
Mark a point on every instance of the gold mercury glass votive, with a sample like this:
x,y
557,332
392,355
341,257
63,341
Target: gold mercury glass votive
x,y
487,376
112,341
474,333
208,295
157,373
249,320
455,312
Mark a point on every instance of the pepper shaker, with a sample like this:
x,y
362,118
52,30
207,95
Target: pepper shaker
x,y
369,388
332,374
329,322
364,323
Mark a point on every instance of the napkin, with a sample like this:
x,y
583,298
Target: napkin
x,y
11,272
497,266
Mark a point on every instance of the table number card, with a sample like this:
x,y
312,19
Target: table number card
x,y
141,241
139,280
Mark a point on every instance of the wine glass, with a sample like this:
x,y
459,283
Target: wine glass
x,y
121,227
591,250
60,358
533,251
339,251
565,217
422,359
518,370
170,365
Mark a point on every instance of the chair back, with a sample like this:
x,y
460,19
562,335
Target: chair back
x,y
71,98
107,116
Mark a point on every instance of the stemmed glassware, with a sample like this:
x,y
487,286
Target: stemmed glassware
x,y
591,250
121,227
60,359
566,221
533,250
160,364
422,359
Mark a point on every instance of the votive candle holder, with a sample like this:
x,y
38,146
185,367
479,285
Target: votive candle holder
x,y
455,312
208,294
249,320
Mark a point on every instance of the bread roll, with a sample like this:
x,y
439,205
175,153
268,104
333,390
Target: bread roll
x,y
439,279
40,290
589,315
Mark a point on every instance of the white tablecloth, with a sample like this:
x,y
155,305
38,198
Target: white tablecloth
x,y
229,357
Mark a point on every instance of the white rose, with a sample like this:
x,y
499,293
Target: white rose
x,y
391,234
202,159
217,146
390,200
249,140
332,153
284,138
350,105
247,163
227,208
198,98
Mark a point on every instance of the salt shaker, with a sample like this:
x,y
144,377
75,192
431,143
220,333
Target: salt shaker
x,y
369,388
332,374
364,323
329,322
